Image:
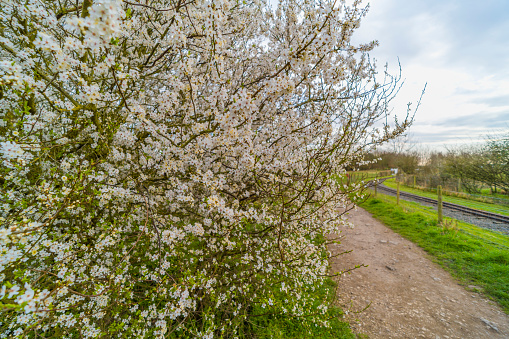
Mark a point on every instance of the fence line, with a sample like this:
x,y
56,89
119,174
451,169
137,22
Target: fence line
x,y
450,186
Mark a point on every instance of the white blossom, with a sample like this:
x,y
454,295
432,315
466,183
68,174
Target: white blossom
x,y
161,159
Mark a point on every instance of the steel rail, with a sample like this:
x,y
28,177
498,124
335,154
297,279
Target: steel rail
x,y
460,208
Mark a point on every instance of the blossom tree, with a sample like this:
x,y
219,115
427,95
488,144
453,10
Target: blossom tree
x,y
170,167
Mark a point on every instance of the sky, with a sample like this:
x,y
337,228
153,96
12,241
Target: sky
x,y
459,49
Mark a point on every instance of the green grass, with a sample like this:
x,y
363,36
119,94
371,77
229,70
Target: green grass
x,y
473,255
500,209
487,193
260,325
280,326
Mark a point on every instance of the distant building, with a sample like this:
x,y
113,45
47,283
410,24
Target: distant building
x,y
394,171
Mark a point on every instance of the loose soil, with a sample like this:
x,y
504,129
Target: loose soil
x,y
409,296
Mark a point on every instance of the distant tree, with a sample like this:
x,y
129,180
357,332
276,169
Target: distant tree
x,y
402,144
461,164
487,163
407,161
497,153
397,153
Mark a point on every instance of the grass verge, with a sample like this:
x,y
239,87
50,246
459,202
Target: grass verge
x,y
281,326
473,255
487,193
494,208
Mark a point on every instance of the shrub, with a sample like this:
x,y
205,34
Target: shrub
x,y
167,165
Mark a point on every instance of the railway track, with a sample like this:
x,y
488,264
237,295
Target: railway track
x,y
455,207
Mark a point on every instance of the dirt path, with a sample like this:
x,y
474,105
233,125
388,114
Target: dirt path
x,y
410,296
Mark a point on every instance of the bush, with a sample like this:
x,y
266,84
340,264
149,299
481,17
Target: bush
x,y
168,166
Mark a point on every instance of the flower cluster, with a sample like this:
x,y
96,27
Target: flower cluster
x,y
102,22
11,150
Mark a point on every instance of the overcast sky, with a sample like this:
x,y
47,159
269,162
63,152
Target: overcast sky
x,y
460,48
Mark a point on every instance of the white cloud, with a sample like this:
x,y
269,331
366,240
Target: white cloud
x,y
460,49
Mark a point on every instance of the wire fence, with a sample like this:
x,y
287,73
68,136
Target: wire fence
x,y
371,174
450,186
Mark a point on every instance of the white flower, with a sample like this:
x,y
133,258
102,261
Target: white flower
x,y
43,295
12,291
11,150
31,307
27,296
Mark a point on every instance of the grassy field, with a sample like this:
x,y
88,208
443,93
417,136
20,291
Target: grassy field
x,y
500,209
487,193
473,255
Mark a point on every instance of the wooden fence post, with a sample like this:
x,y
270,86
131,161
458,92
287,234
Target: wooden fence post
x,y
414,182
397,195
376,184
439,207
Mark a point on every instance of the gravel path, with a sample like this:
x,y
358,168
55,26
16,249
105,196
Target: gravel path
x,y
466,217
409,296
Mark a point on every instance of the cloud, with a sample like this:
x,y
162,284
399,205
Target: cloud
x,y
444,33
460,48
493,101
480,120
478,36
442,138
